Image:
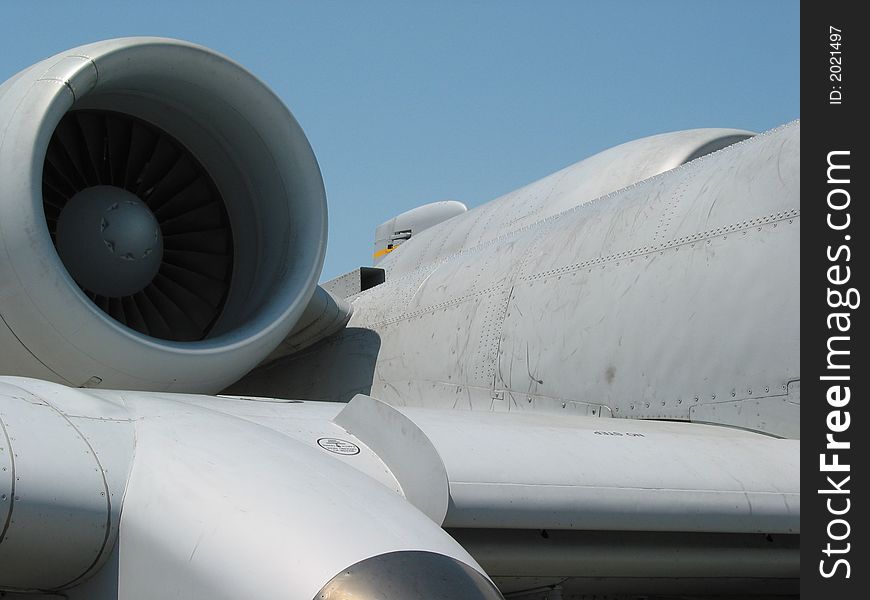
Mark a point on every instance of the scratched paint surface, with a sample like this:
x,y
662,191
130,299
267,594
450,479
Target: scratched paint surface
x,y
673,298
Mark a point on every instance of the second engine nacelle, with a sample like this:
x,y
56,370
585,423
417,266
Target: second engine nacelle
x,y
162,218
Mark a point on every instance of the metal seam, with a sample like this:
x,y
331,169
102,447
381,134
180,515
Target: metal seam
x,y
85,573
12,463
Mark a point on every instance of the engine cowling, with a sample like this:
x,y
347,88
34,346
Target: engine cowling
x,y
162,218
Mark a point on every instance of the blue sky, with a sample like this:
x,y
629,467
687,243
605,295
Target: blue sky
x,y
410,102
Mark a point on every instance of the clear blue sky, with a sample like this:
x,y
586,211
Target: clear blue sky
x,y
410,102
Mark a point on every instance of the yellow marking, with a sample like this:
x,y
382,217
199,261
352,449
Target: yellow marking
x,y
383,251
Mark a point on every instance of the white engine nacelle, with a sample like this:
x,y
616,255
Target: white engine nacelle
x,y
162,218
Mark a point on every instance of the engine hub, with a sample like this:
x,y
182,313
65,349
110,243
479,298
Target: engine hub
x,y
110,241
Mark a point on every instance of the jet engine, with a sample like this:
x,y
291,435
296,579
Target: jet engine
x,y
162,218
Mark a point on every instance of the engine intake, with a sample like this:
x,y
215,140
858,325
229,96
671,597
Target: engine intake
x,y
162,218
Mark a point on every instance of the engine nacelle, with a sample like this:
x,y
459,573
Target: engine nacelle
x,y
162,218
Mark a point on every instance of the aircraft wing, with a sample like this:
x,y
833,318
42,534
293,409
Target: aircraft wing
x,y
200,481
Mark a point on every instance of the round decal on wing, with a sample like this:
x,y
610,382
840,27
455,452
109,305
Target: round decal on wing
x,y
338,446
